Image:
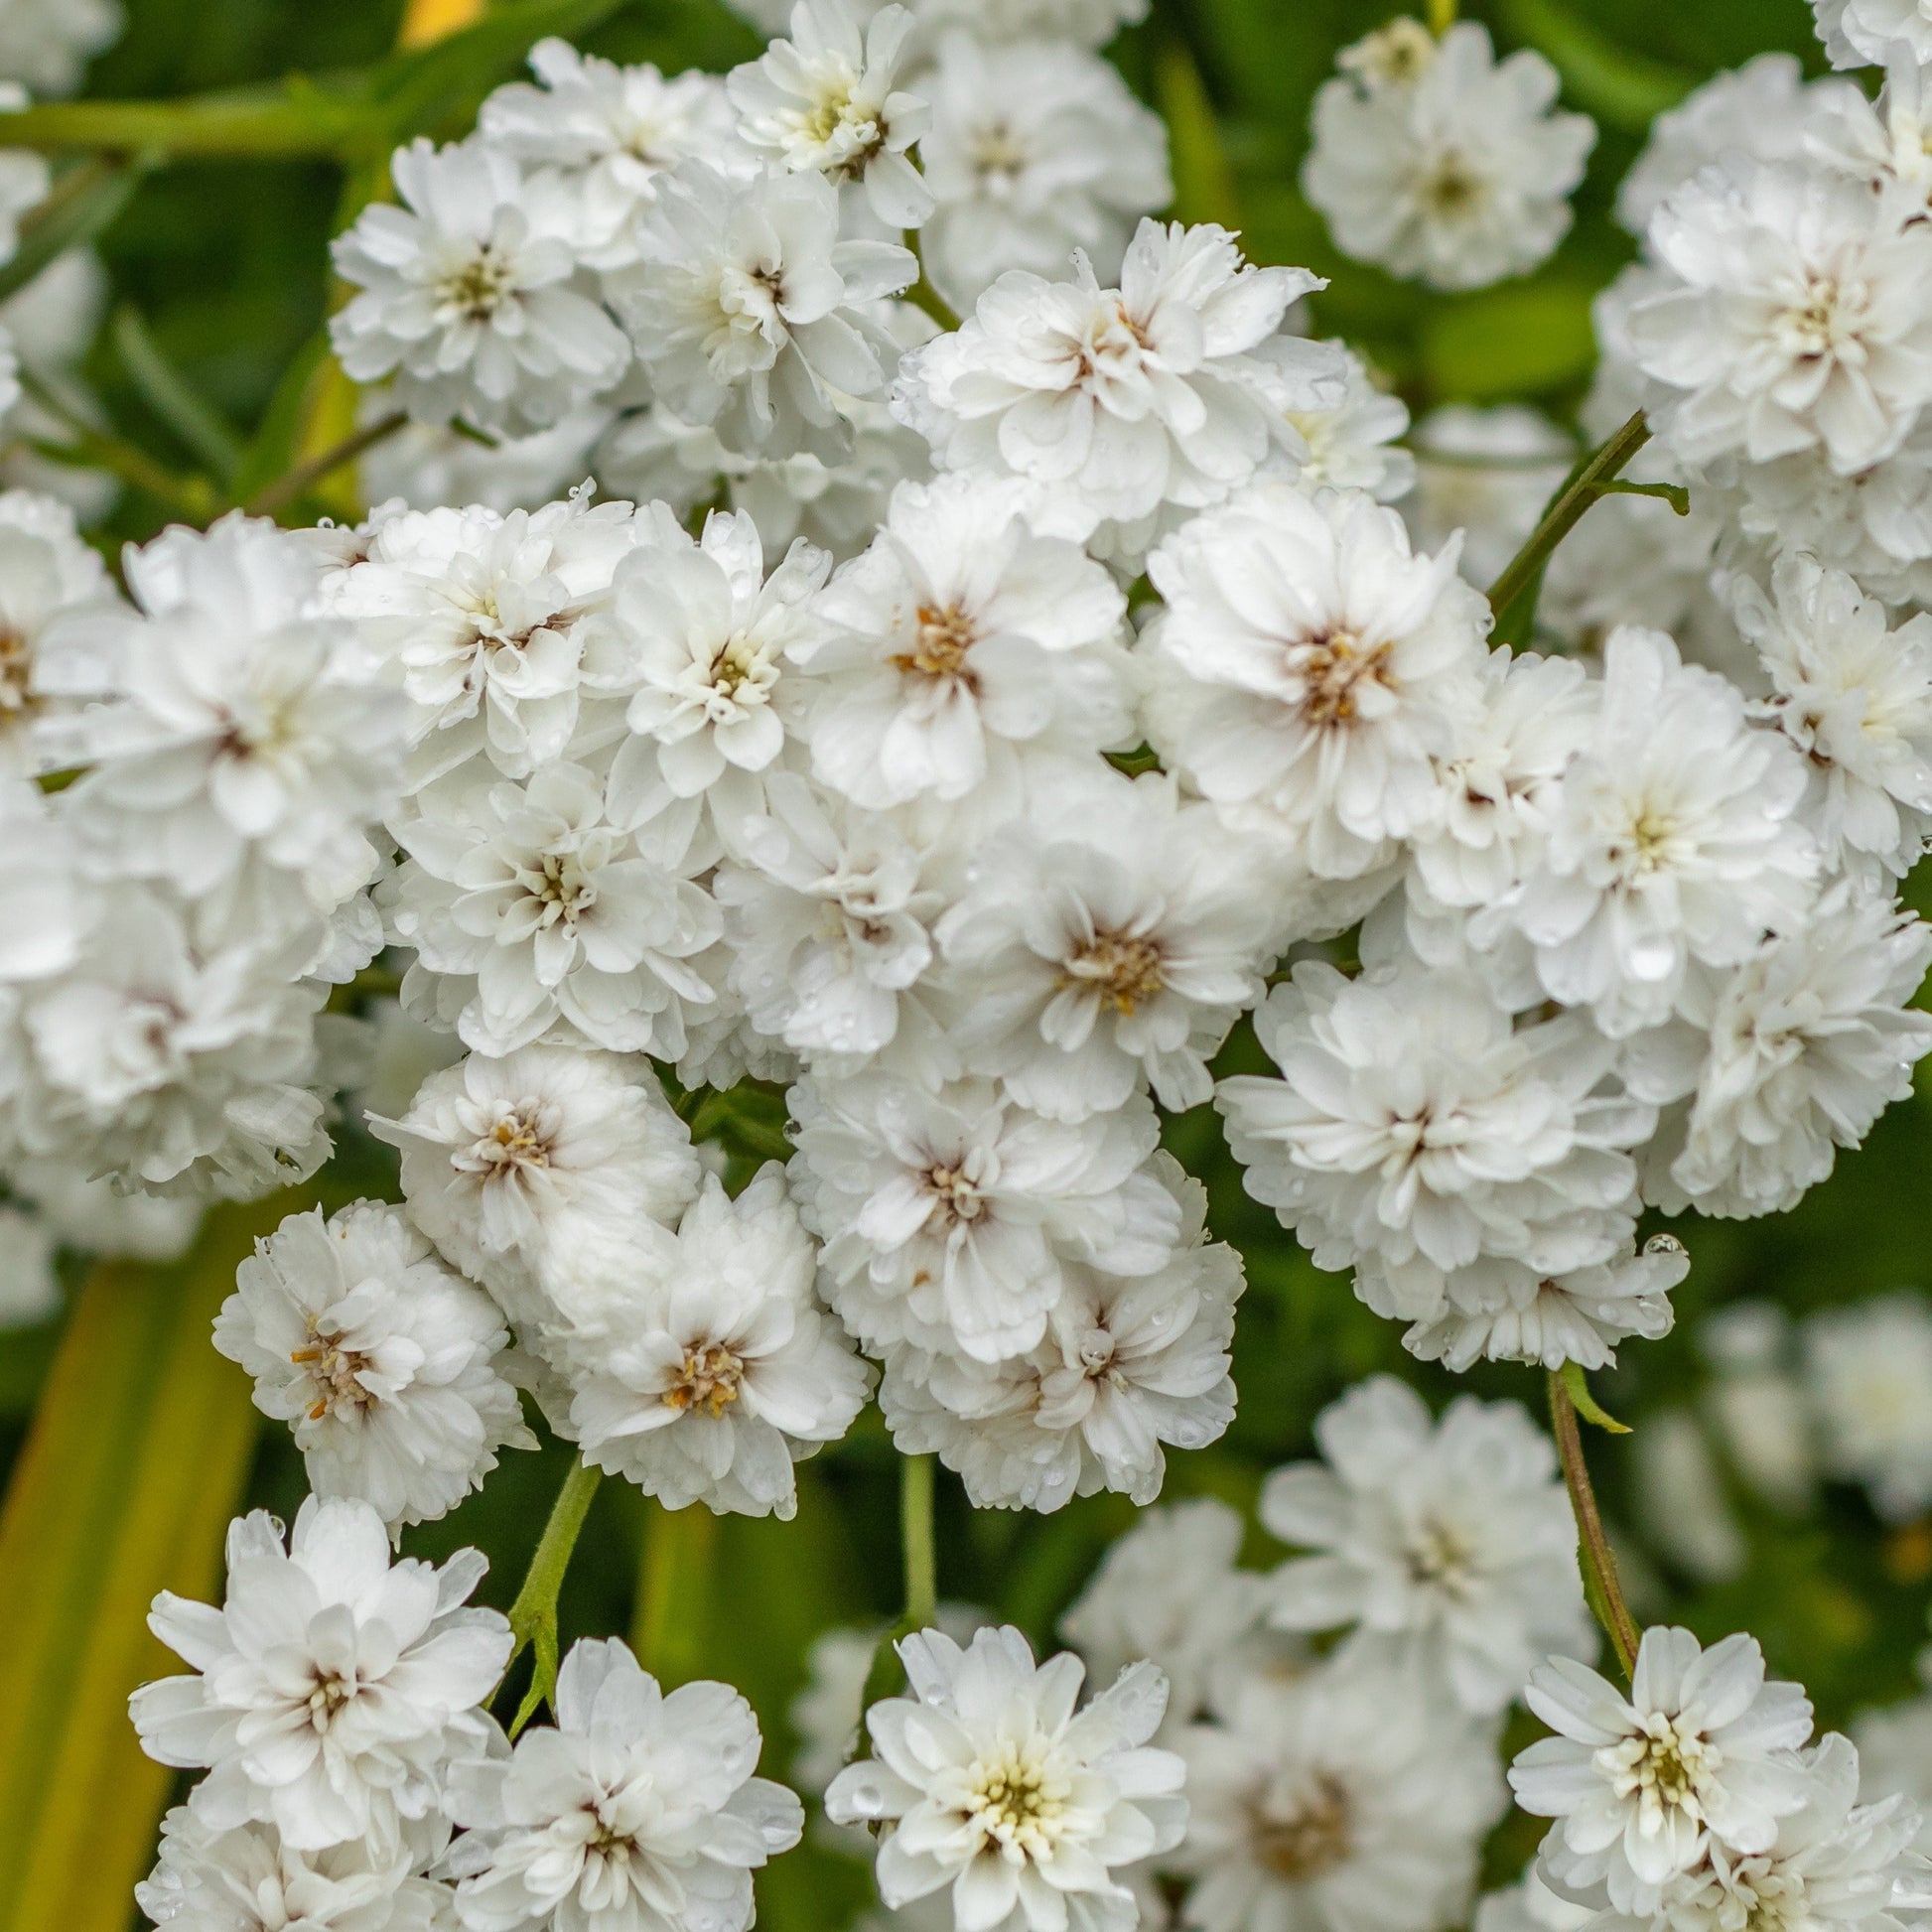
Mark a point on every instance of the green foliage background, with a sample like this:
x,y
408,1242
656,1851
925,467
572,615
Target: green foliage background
x,y
225,264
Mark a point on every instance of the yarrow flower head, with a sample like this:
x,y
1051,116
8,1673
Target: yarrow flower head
x,y
638,1812
334,1692
1440,163
994,1787
1702,1750
1164,392
465,293
380,1359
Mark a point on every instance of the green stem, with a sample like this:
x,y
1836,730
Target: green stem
x,y
259,122
533,1616
86,447
916,1539
304,476
1441,17
1603,467
1594,1553
673,1604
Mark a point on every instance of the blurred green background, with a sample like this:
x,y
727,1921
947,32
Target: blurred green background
x,y
224,264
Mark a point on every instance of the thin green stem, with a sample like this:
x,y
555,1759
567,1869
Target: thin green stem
x,y
1594,1553
533,1616
916,1539
1441,17
262,122
1604,466
297,481
674,1599
86,447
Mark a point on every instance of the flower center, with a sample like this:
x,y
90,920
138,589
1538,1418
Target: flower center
x,y
1018,1798
708,1379
1401,52
475,291
519,1139
955,1197
559,880
1122,969
1439,1555
332,1374
16,673
328,1697
1310,1836
1662,1767
1334,670
945,641
998,155
1813,327
1451,190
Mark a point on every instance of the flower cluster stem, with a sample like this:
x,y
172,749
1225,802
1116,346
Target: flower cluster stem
x,y
1594,1553
1522,575
1441,17
916,1539
533,1616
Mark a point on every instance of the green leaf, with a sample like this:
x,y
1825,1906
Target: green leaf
x,y
135,1464
173,397
82,204
1204,179
1624,89
1517,340
1587,1404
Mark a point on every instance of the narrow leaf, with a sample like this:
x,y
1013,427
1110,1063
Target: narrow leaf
x,y
1203,176
1587,1404
135,1464
1618,85
172,397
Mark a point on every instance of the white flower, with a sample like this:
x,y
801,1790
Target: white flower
x,y
1332,1800
1796,314
1836,1864
1456,173
1810,1040
697,635
250,1878
825,101
46,570
1351,445
380,1359
827,920
88,1214
748,314
1672,840
1864,1377
1448,1546
1415,1132
1702,1750
638,1813
1503,1312
465,293
996,1788
1036,148
704,1367
1164,391
1863,33
1759,111
513,1165
334,1690
1169,1591
614,132
1500,783
47,43
1126,1365
1108,939
226,722
482,614
1308,668
948,1217
961,625
1855,697
178,1067
550,916
1487,472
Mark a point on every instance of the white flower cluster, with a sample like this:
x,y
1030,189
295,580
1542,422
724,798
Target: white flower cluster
x,y
1319,1789
337,1706
686,283
1699,1801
